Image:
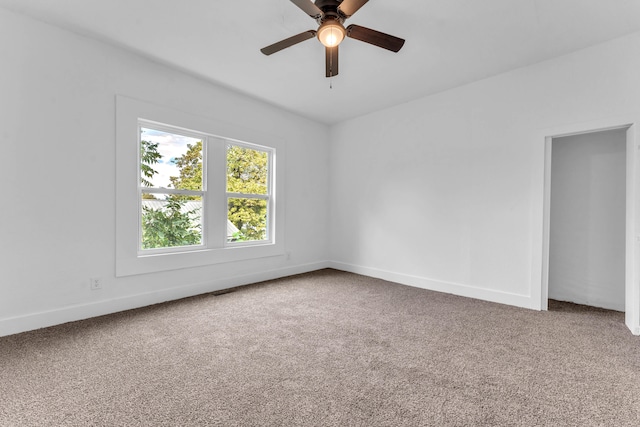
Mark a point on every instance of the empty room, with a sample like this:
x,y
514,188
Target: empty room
x,y
320,213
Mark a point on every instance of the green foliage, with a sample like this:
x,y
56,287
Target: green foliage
x,y
149,155
247,170
247,173
249,216
170,226
238,237
190,165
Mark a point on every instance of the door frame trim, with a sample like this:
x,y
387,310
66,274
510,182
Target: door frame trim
x,y
540,271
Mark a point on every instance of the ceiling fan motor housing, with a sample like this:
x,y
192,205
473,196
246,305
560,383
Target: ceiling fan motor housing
x,y
330,11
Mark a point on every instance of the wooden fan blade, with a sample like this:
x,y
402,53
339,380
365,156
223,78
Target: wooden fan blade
x,y
349,7
283,44
331,55
375,38
309,8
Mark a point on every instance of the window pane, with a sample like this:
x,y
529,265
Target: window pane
x,y
249,219
247,170
169,220
169,160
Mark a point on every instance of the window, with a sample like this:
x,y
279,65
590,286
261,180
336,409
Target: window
x,y
187,196
247,193
172,191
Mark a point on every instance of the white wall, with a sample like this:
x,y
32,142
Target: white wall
x,y
57,133
587,226
446,192
443,192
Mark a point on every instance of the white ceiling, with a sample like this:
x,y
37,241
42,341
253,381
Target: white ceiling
x,y
448,43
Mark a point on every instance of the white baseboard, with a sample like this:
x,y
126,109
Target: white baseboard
x,y
517,300
29,322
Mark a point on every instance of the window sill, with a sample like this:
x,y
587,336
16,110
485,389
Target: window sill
x,y
152,263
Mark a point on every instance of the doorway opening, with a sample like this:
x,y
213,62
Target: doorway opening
x,y
587,219
591,218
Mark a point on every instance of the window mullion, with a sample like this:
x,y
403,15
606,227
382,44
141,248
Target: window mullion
x,y
216,186
248,196
154,190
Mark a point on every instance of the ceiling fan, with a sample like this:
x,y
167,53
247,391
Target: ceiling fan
x,y
330,16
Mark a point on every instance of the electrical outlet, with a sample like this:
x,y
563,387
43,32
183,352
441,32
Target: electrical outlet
x,y
288,255
96,283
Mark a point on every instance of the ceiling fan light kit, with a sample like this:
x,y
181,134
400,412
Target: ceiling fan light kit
x,y
331,33
330,16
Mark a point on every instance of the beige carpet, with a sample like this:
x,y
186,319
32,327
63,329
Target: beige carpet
x,y
326,349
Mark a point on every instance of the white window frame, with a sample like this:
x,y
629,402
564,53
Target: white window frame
x,y
155,190
268,197
130,260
